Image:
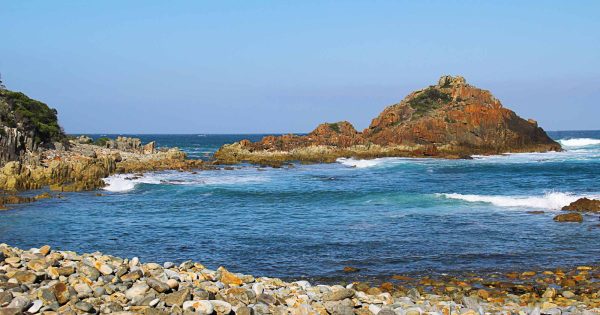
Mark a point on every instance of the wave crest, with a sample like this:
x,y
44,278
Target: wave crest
x,y
352,162
552,200
579,142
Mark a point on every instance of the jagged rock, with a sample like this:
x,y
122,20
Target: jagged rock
x,y
451,119
83,139
584,205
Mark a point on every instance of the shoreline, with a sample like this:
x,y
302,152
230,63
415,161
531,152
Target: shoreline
x,y
63,282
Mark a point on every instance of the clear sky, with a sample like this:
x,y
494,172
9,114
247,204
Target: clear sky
x,y
285,66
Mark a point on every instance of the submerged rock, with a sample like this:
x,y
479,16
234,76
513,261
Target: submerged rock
x,y
569,217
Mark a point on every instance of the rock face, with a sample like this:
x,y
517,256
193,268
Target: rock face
x,y
133,145
451,119
84,166
26,125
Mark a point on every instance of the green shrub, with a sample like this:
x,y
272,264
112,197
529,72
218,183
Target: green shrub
x,y
335,127
428,100
101,141
33,115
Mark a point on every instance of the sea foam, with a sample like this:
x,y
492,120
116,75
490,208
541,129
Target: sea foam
x,y
127,182
360,163
579,142
551,201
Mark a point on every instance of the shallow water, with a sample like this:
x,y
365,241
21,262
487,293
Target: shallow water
x,y
384,216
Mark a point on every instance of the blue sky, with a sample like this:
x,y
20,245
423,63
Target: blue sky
x,y
285,66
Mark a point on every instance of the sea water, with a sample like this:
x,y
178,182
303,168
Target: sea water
x,y
384,216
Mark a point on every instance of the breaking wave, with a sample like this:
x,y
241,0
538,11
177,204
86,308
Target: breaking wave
x,y
579,142
552,200
127,182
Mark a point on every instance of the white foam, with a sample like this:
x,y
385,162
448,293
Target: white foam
x,y
358,163
127,182
579,142
551,201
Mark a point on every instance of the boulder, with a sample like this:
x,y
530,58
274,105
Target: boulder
x,y
569,217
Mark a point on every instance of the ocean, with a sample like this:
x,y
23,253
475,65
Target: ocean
x,y
384,216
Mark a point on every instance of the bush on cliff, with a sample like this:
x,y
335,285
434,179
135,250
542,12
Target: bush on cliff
x,y
428,100
20,111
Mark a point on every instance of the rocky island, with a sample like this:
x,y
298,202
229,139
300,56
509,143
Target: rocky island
x,y
451,119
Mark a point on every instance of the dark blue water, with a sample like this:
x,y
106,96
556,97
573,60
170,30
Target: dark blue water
x,y
384,216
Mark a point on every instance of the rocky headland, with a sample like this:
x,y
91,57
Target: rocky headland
x,y
36,153
451,119
46,281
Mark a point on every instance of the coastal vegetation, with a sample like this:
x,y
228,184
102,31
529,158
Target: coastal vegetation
x,y
17,110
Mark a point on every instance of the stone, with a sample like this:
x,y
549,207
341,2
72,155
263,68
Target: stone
x,y
19,302
236,296
84,307
47,296
200,307
45,250
35,307
83,290
338,295
549,293
168,265
61,292
178,297
221,307
5,298
173,284
568,294
105,269
37,264
13,261
228,278
158,285
25,276
343,307
349,269
138,290
569,217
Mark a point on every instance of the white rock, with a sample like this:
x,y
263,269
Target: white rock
x,y
154,302
134,262
258,288
35,307
374,309
137,290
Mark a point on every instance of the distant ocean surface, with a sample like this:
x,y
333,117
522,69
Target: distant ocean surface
x,y
385,216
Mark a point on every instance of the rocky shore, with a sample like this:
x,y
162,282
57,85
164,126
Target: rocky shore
x,y
83,167
451,119
46,281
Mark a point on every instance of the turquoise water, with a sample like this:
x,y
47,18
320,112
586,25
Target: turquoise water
x,y
384,216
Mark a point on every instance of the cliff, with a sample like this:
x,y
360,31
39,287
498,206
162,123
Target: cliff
x,y
451,119
26,125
